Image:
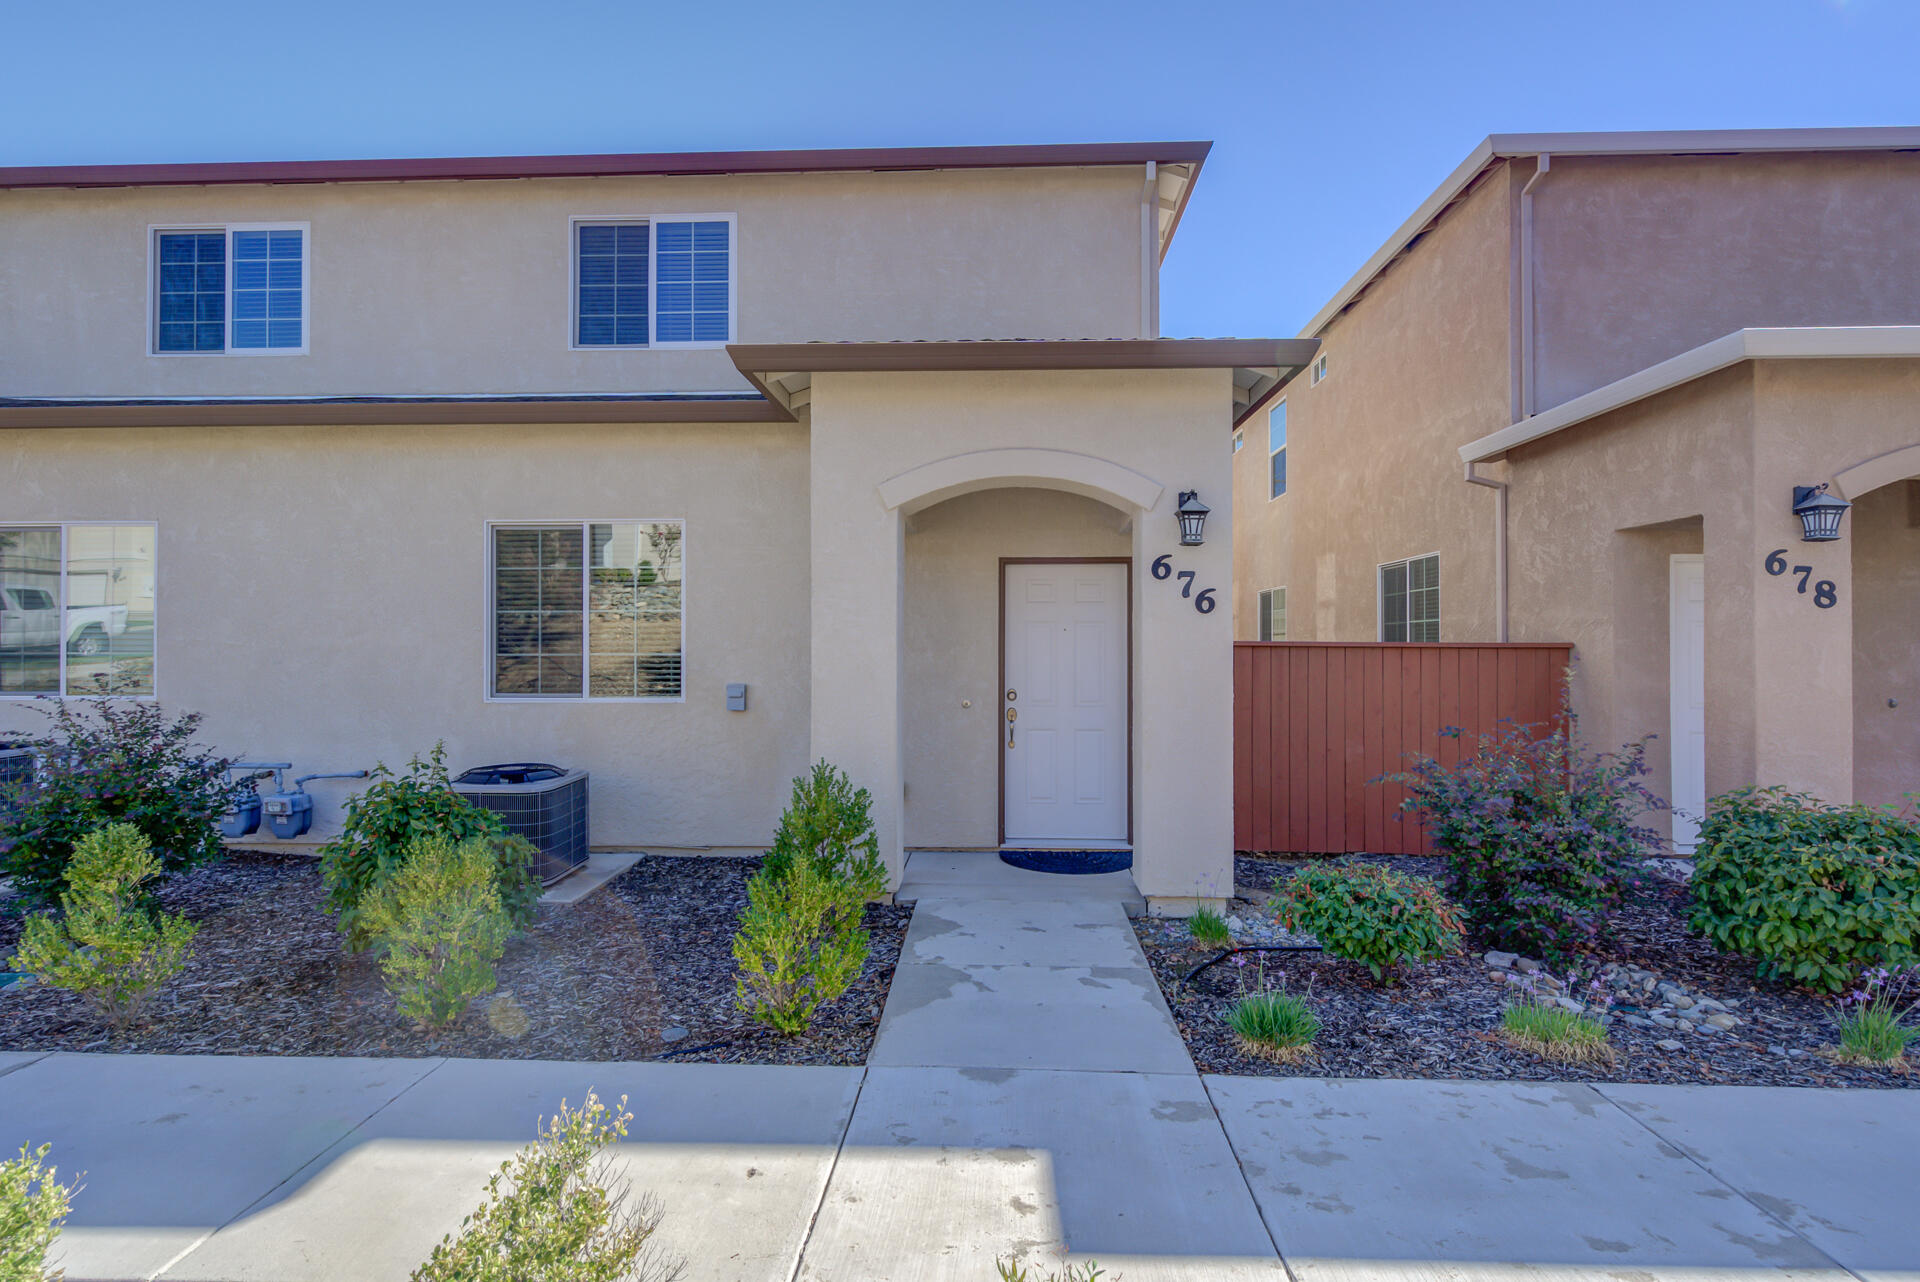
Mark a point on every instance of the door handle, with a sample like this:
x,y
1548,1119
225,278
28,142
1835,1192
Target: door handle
x,y
1012,716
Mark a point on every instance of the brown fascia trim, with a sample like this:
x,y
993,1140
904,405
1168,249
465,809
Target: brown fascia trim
x,y
354,411
1024,354
662,164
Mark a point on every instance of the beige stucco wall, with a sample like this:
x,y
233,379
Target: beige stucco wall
x,y
952,645
1642,257
1419,365
322,598
1166,426
1885,541
1709,467
437,287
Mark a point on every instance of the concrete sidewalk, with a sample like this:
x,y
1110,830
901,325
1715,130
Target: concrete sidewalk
x,y
1027,1095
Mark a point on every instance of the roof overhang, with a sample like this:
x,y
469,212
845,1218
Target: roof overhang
x,y
784,372
193,411
1674,142
1846,342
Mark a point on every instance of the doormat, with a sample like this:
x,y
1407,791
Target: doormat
x,y
1069,861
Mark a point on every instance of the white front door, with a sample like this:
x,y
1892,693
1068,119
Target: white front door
x,y
1063,713
1687,696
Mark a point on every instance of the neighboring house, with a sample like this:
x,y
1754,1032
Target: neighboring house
x,y
1636,346
543,456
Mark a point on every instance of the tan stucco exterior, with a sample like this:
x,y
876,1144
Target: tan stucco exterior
x,y
464,288
1632,260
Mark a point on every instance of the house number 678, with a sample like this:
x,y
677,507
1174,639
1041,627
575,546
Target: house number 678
x,y
1202,601
1825,594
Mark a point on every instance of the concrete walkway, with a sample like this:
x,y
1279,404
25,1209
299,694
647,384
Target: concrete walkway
x,y
1003,1113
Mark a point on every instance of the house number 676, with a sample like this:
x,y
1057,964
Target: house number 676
x,y
1163,569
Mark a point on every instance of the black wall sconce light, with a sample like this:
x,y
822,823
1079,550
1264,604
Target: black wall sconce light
x,y
1819,513
1193,518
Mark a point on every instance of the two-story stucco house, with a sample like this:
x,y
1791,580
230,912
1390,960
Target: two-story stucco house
x,y
541,456
1577,397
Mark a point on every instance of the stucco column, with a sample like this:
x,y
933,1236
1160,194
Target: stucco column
x,y
1183,709
1803,653
857,580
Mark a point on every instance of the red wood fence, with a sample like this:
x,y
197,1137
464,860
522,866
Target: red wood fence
x,y
1314,723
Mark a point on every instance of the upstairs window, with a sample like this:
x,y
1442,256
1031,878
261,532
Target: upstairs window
x,y
1277,449
653,283
240,288
1319,372
1273,614
1410,599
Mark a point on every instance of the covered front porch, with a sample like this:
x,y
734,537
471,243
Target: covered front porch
x,y
1010,643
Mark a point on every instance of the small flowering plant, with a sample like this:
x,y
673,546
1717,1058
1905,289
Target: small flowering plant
x,y
1543,838
1271,1023
1874,1027
1537,1022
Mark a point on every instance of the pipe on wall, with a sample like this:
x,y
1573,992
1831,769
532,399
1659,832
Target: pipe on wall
x,y
1528,393
1499,489
1149,253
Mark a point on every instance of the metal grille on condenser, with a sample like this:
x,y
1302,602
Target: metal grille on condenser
x,y
1069,861
552,817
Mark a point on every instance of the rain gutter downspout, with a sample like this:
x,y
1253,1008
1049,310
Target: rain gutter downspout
x,y
1499,489
1149,253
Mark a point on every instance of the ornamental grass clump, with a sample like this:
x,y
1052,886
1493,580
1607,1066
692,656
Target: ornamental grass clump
x,y
555,1212
1538,1023
107,945
1275,1026
1816,893
1874,1018
1209,929
1370,914
111,761
1543,839
440,927
33,1206
380,830
1011,1270
801,941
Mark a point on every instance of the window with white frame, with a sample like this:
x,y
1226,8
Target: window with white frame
x,y
1319,373
1273,614
1239,441
664,282
1410,599
77,609
237,289
1277,450
586,609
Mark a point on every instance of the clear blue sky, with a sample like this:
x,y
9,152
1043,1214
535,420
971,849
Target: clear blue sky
x,y
1331,121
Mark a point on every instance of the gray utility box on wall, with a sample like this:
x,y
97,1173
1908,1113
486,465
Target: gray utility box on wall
x,y
546,804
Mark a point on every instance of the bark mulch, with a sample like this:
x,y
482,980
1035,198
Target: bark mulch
x,y
1439,1020
640,968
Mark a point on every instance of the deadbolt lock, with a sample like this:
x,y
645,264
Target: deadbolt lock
x,y
1012,695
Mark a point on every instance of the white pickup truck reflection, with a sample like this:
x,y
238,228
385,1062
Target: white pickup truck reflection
x,y
30,620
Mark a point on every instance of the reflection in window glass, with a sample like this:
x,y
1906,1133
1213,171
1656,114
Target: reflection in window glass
x,y
89,620
590,610
29,611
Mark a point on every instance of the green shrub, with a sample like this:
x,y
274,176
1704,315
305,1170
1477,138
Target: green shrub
x,y
440,927
107,946
32,1205
1209,928
800,944
396,810
1556,1033
551,1214
1541,837
829,823
1873,1027
1816,893
108,761
1370,914
1273,1025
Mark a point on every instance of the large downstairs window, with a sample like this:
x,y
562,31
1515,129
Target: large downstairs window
x,y
586,610
235,289
1410,599
77,609
666,282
